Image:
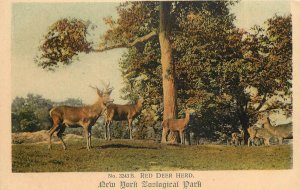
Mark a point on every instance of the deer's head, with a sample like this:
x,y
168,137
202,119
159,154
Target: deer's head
x,y
104,95
263,118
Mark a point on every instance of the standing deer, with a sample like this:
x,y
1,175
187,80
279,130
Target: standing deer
x,y
260,133
176,125
284,131
85,116
238,138
117,112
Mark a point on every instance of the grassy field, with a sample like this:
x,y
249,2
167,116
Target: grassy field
x,y
136,155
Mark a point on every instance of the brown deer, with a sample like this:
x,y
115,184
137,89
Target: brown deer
x,y
117,112
258,133
238,138
85,116
284,131
176,125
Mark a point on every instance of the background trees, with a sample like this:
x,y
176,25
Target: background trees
x,y
32,113
225,73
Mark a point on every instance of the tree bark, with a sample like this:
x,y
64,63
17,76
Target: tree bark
x,y
168,68
244,120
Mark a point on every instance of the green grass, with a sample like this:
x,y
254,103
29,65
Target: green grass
x,y
126,155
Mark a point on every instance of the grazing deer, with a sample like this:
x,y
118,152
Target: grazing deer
x,y
284,131
85,116
176,125
117,112
260,133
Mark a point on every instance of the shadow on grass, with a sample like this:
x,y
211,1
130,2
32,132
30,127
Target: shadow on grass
x,y
122,146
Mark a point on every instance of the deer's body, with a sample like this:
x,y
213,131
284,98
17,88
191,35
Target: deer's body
x,y
176,125
85,116
259,133
117,112
284,131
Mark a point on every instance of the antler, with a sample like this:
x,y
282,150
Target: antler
x,y
107,89
100,92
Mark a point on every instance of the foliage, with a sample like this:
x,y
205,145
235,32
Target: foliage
x,y
141,66
232,74
239,73
64,40
71,102
24,120
32,113
226,74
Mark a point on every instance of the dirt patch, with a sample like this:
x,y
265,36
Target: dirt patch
x,y
38,137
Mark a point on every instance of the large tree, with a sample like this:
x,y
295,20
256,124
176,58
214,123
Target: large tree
x,y
227,74
193,54
67,37
198,31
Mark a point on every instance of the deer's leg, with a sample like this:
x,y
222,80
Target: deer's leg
x,y
236,142
90,136
164,135
86,132
108,128
105,126
249,139
267,141
181,137
164,125
130,128
60,134
280,140
52,130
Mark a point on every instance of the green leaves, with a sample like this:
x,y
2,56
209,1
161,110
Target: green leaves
x,y
32,113
65,39
215,63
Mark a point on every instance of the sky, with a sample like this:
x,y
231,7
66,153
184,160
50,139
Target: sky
x,y
30,21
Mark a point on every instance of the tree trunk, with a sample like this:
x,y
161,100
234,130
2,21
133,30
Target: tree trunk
x,y
168,68
244,120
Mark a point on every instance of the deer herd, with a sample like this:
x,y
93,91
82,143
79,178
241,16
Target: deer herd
x,y
86,117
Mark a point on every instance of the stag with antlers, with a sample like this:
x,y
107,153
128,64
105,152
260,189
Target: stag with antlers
x,y
117,112
85,116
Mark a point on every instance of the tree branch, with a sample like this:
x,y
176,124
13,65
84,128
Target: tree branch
x,y
266,110
130,44
143,38
262,102
105,48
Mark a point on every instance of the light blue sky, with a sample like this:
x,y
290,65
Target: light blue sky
x,y
30,22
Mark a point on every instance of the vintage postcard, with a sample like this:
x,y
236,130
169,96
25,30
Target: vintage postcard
x,y
149,95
